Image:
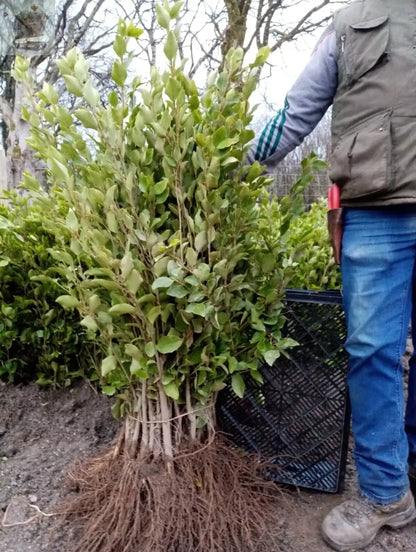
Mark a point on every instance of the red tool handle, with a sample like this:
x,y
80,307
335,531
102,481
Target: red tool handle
x,y
333,197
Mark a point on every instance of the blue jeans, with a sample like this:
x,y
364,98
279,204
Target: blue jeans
x,y
378,272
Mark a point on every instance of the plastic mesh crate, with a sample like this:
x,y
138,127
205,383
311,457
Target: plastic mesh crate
x,y
299,417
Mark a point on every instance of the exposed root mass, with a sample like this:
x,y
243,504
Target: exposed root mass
x,y
214,500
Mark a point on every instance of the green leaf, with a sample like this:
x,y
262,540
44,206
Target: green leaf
x,y
126,264
86,118
163,16
122,27
91,94
238,385
173,88
134,281
59,170
147,298
201,241
256,375
160,186
109,390
169,344
171,390
162,282
149,349
108,365
230,162
177,291
221,268
120,46
113,98
63,66
262,55
271,356
287,343
112,222
153,314
73,85
94,302
197,308
171,46
160,265
67,301
81,68
219,135
89,323
4,223
133,31
232,364
218,385
268,263
50,93
121,308
137,369
191,256
119,72
175,9
202,272
228,142
132,350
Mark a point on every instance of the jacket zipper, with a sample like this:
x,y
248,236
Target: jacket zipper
x,y
344,57
343,37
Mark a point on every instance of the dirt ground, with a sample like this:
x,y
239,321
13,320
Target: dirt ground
x,y
44,432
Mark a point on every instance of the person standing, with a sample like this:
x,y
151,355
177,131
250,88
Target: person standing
x,y
365,67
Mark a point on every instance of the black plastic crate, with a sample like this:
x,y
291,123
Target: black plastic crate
x,y
299,417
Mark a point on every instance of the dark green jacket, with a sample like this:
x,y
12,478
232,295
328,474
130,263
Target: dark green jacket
x,y
374,107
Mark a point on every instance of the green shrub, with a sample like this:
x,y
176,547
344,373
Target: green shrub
x,y
39,340
309,248
177,261
177,264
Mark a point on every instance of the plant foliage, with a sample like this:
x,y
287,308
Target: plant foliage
x,y
38,338
171,263
309,248
176,261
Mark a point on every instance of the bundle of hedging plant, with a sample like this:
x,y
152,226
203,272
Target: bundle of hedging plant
x,y
309,248
39,339
175,272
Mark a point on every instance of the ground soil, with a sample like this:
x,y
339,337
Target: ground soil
x,y
43,432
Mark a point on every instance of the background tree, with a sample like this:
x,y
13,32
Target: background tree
x,y
210,29
87,26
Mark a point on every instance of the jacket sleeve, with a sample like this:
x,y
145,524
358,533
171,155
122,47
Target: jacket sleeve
x,y
304,106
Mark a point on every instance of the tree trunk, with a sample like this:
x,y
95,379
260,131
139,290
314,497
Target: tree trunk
x,y
236,30
19,155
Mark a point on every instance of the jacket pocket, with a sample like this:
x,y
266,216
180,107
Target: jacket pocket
x,y
364,46
339,164
361,162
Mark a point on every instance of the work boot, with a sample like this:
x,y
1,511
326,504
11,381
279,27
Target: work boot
x,y
355,523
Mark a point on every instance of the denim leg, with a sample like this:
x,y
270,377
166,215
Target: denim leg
x,y
378,256
410,419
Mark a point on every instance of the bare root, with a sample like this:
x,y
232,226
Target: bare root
x,y
214,500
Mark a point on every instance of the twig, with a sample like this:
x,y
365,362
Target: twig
x,y
196,451
26,522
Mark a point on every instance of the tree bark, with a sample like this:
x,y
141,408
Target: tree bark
x,y
236,30
19,155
